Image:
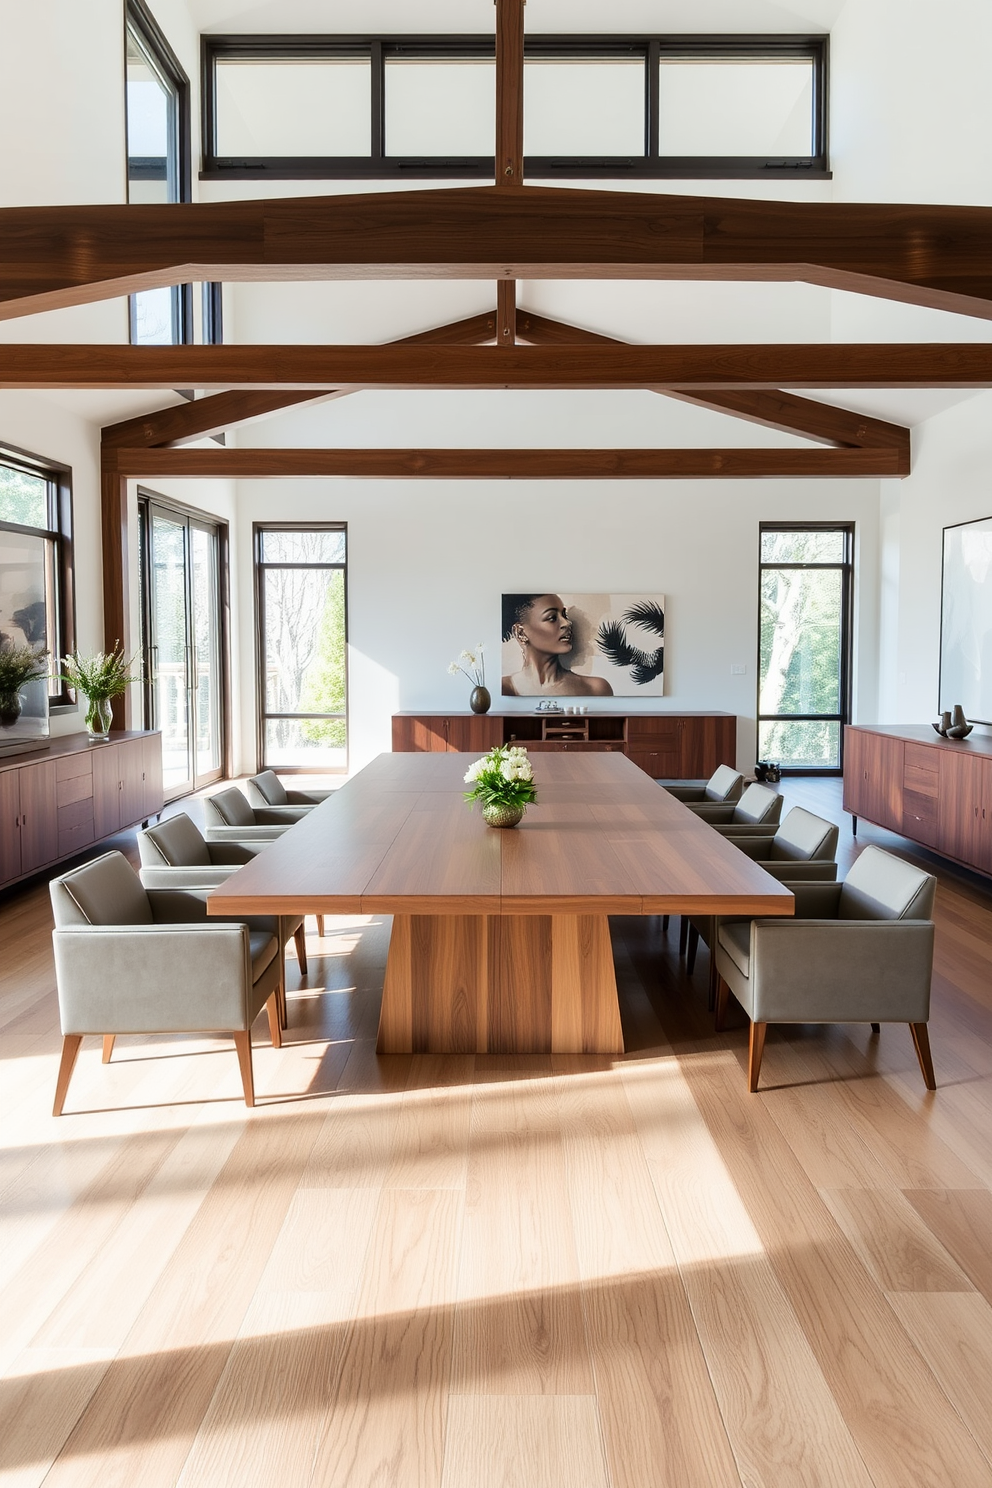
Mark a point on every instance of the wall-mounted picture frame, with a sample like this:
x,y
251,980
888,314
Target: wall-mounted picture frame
x,y
966,620
567,644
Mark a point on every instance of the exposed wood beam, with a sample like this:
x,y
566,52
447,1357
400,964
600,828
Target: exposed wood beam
x,y
929,255
503,464
785,412
510,92
223,411
506,313
683,368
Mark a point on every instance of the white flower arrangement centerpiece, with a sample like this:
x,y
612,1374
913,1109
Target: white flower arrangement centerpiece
x,y
503,782
472,664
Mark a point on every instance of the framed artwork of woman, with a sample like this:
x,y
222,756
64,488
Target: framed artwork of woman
x,y
583,645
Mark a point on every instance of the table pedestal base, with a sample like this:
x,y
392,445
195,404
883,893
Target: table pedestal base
x,y
500,984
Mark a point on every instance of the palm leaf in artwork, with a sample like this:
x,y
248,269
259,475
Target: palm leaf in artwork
x,y
648,614
651,667
612,641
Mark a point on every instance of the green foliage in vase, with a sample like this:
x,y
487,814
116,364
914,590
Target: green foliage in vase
x,y
19,664
503,777
105,675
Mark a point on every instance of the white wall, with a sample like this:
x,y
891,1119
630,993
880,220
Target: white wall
x,y
429,560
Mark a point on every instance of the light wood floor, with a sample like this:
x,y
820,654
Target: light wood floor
x,y
479,1272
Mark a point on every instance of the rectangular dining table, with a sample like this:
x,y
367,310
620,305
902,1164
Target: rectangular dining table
x,y
500,940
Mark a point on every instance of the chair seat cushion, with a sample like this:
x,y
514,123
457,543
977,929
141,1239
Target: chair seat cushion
x,y
264,948
735,937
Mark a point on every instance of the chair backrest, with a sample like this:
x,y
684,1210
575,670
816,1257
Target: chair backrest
x,y
883,887
758,804
228,808
174,843
104,892
803,837
270,788
725,784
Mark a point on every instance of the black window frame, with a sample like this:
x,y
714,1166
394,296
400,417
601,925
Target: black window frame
x,y
61,698
846,566
138,18
649,166
260,566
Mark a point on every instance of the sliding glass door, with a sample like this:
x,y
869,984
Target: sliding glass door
x,y
182,643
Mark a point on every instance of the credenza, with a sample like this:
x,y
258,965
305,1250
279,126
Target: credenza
x,y
57,801
668,746
936,791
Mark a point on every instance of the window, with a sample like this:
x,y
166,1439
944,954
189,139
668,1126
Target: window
x,y
298,107
36,500
301,587
158,163
804,649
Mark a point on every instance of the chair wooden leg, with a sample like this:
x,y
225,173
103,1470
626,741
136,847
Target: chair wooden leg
x,y
921,1042
711,985
108,1046
320,926
300,936
693,948
275,1028
664,924
242,1042
683,934
280,996
722,998
70,1053
756,1047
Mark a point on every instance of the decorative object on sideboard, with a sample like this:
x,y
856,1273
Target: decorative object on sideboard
x,y
943,723
960,727
502,782
18,666
100,679
479,699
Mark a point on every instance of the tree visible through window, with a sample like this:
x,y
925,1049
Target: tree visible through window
x,y
804,646
303,676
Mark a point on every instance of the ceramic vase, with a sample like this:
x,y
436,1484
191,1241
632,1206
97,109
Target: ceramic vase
x,y
944,724
498,815
479,700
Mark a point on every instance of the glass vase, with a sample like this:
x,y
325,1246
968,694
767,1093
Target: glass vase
x,y
99,717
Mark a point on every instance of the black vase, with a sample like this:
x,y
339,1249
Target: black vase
x,y
479,700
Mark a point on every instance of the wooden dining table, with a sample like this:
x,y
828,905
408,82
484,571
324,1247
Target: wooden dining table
x,y
500,938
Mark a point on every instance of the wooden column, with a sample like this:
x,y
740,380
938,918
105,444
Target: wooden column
x,y
509,92
116,586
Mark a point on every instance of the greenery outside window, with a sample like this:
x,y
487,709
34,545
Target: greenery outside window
x,y
804,650
302,648
611,107
36,499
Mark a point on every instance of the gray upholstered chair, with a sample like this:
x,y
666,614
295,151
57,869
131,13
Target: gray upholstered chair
x,y
266,789
174,855
131,960
725,784
857,952
758,806
229,818
802,850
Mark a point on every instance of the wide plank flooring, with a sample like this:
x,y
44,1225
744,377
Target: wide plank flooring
x,y
430,1272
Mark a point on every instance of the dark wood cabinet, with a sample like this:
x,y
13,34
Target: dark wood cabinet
x,y
55,804
936,791
668,746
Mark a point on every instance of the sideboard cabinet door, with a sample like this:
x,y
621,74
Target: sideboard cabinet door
x,y
10,826
106,791
39,816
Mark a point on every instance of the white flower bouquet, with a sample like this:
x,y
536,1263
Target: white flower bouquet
x,y
476,660
503,778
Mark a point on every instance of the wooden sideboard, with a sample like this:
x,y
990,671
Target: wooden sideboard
x,y
56,802
936,791
668,746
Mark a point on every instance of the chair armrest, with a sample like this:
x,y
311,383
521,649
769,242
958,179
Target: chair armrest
x,y
184,877
746,829
816,901
841,971
145,979
247,836
230,853
280,816
308,798
686,790
756,846
795,872
712,811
